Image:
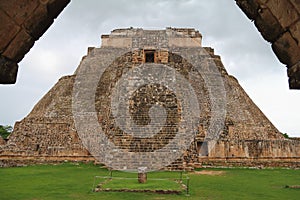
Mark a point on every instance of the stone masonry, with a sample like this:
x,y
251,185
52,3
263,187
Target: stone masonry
x,y
2,141
247,137
278,21
22,23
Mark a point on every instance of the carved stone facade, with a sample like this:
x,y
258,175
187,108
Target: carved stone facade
x,y
246,138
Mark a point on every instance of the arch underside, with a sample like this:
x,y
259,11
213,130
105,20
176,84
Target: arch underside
x,y
25,21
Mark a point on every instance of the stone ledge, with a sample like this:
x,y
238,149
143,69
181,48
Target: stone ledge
x,y
267,162
13,161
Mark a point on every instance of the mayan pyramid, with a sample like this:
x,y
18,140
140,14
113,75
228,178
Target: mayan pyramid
x,y
196,102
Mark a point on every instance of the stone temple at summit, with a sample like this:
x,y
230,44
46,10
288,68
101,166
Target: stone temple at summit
x,y
181,93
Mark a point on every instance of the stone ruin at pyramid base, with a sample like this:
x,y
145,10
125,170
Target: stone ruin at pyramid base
x,y
50,134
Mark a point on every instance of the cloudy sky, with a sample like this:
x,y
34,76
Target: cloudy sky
x,y
223,25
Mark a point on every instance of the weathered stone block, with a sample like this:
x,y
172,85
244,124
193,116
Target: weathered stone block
x,y
294,82
261,2
296,4
284,11
56,6
250,8
8,70
273,18
38,22
19,46
2,141
19,10
8,30
268,25
294,76
287,49
295,31
117,42
142,177
294,70
37,15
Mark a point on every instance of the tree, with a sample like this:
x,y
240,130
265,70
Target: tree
x,y
285,135
5,131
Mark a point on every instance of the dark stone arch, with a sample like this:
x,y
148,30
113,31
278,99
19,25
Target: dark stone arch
x,y
24,21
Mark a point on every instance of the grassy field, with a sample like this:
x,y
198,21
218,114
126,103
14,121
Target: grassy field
x,y
70,181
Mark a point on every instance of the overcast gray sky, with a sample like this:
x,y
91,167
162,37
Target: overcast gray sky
x,y
223,25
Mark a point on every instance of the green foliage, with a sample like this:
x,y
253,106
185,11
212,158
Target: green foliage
x,y
285,135
5,131
71,181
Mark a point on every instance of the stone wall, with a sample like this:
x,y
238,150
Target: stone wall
x,y
47,134
278,21
2,141
22,23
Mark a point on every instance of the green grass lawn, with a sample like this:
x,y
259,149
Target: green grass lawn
x,y
155,181
70,181
164,184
